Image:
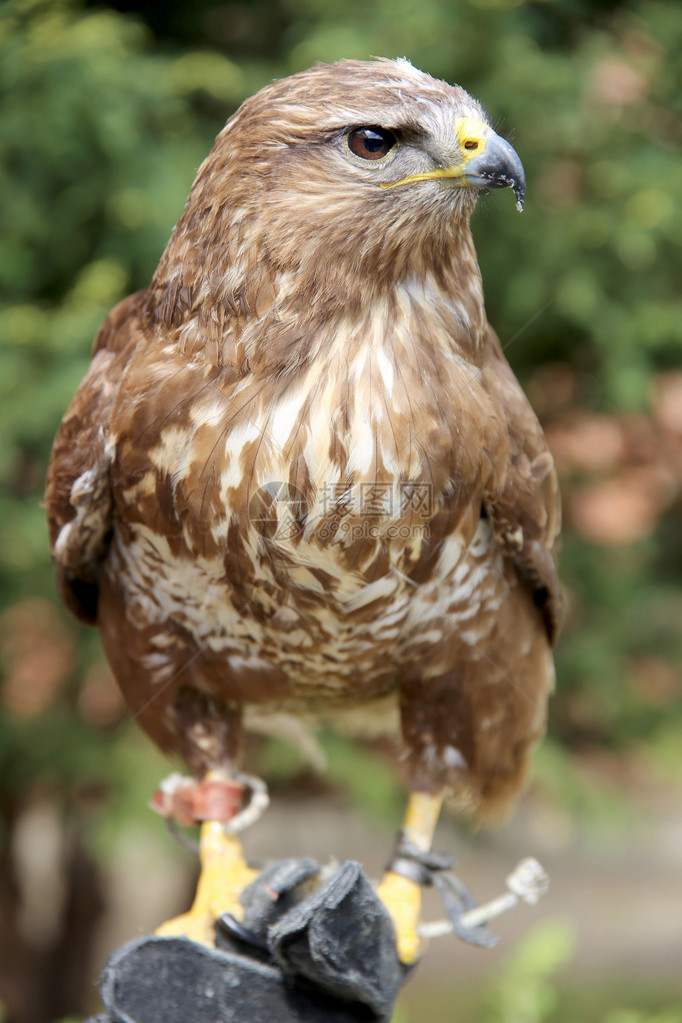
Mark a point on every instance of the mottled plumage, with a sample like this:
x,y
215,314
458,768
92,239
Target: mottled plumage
x,y
299,474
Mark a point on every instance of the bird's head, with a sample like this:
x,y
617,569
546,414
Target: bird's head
x,y
383,124
371,167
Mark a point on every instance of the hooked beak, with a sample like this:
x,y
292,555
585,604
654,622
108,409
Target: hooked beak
x,y
485,161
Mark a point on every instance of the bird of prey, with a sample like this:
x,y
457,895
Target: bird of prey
x,y
299,475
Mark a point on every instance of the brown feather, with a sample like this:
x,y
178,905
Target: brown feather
x,y
300,474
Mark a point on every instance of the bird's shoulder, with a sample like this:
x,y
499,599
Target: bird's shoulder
x,y
78,492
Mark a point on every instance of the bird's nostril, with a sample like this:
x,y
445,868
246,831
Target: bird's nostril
x,y
471,144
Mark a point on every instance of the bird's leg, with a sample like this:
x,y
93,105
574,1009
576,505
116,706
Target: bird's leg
x,y
401,895
224,870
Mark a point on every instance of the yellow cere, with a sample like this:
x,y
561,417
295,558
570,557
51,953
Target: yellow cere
x,y
472,137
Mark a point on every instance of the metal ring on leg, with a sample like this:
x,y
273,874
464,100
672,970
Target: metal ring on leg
x,y
256,807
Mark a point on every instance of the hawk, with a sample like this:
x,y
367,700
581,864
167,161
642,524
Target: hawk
x,y
299,475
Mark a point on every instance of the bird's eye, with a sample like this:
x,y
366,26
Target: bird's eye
x,y
371,143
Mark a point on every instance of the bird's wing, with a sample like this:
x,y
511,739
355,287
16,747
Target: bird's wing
x,y
525,510
78,494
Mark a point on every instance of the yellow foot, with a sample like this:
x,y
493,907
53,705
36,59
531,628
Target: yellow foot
x,y
401,896
224,876
403,900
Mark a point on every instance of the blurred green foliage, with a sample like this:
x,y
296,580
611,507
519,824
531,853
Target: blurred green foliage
x,y
107,111
531,988
104,126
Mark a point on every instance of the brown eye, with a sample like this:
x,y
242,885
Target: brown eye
x,y
371,143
